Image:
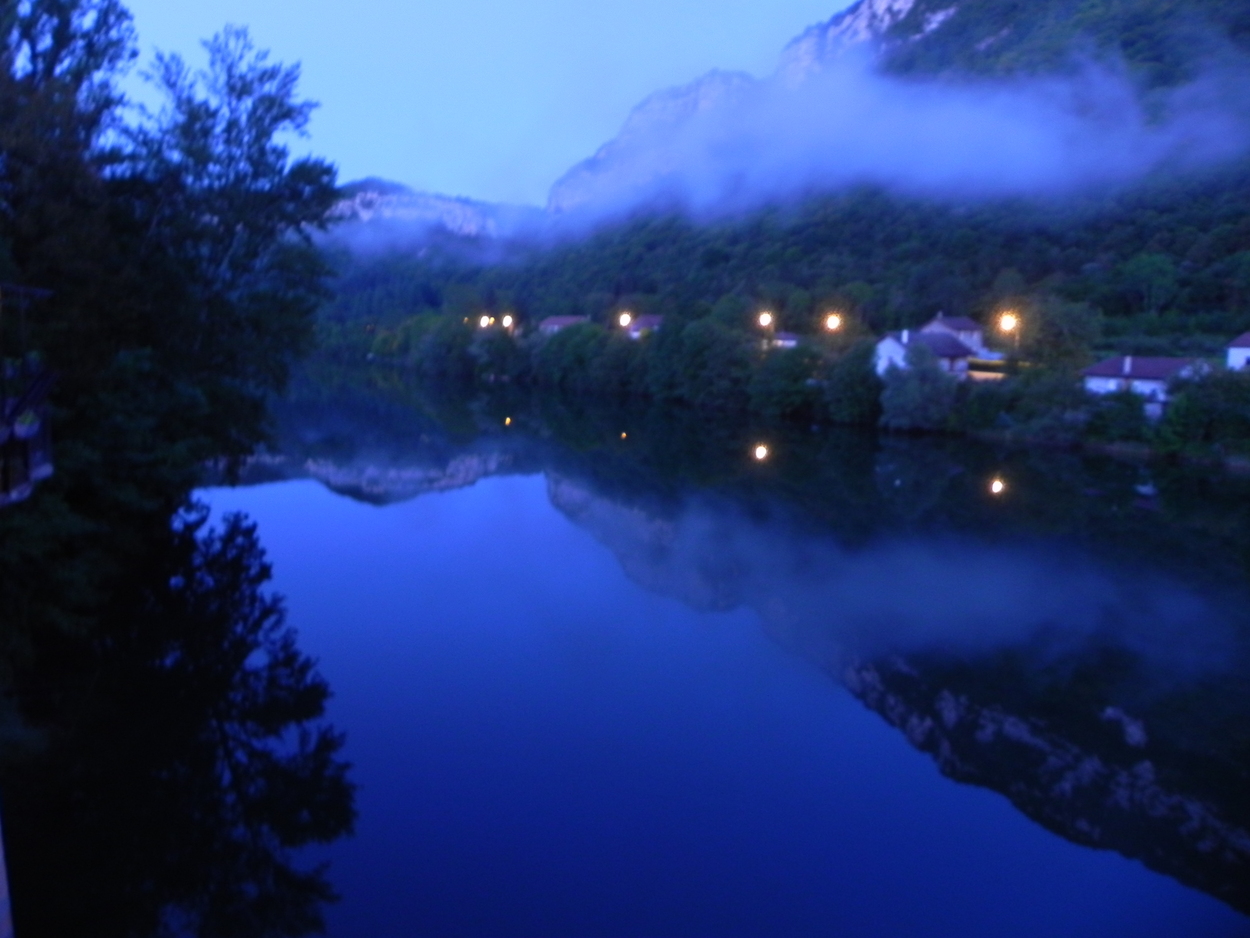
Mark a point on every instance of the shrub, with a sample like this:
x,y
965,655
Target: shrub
x,y
1211,414
920,396
1119,417
782,385
852,388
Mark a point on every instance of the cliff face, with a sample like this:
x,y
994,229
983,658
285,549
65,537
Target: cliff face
x,y
637,159
863,24
378,202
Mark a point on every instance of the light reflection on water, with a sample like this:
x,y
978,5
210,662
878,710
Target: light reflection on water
x,y
546,747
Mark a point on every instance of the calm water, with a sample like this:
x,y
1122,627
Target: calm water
x,y
574,713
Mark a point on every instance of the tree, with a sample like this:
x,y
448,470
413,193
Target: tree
x,y
852,388
920,396
1209,414
783,386
231,213
1151,280
1058,333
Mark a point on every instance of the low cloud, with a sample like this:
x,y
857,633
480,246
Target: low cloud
x,y
1040,137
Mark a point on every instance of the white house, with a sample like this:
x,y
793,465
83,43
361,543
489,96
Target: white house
x,y
553,324
1239,353
966,330
1146,376
952,355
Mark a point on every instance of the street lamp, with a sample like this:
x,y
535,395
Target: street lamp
x,y
1009,324
625,319
766,320
997,487
833,322
508,321
484,322
761,452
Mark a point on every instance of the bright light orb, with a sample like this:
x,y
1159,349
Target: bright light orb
x,y
507,421
833,322
484,322
998,486
507,322
1009,322
761,453
625,319
766,320
624,435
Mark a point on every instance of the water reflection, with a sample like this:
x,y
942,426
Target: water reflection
x,y
1076,640
174,757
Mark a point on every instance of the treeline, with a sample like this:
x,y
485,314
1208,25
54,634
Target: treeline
x,y
712,364
1162,43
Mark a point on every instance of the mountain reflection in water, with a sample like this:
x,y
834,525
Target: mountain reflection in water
x,y
1077,642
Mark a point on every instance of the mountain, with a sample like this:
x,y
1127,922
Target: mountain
x,y
380,203
622,163
898,92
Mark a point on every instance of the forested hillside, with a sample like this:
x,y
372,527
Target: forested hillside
x,y
1166,42
1167,260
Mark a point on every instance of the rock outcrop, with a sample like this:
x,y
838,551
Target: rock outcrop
x,y
861,25
378,201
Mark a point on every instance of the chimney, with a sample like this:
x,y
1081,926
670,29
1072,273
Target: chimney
x,y
1128,364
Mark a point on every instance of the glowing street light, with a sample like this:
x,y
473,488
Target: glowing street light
x,y
624,435
484,322
766,320
833,322
1009,324
761,452
997,487
508,321
507,421
625,319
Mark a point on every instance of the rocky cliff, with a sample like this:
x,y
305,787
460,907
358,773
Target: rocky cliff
x,y
378,202
637,158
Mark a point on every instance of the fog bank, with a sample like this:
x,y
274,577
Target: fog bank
x,y
773,141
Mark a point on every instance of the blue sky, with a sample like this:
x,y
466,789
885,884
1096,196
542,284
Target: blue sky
x,y
492,99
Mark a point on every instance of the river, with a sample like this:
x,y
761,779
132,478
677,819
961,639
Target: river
x,y
856,692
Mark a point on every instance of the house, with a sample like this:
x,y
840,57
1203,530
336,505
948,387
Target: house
x,y
553,324
641,325
967,331
1143,375
1239,353
784,340
952,355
